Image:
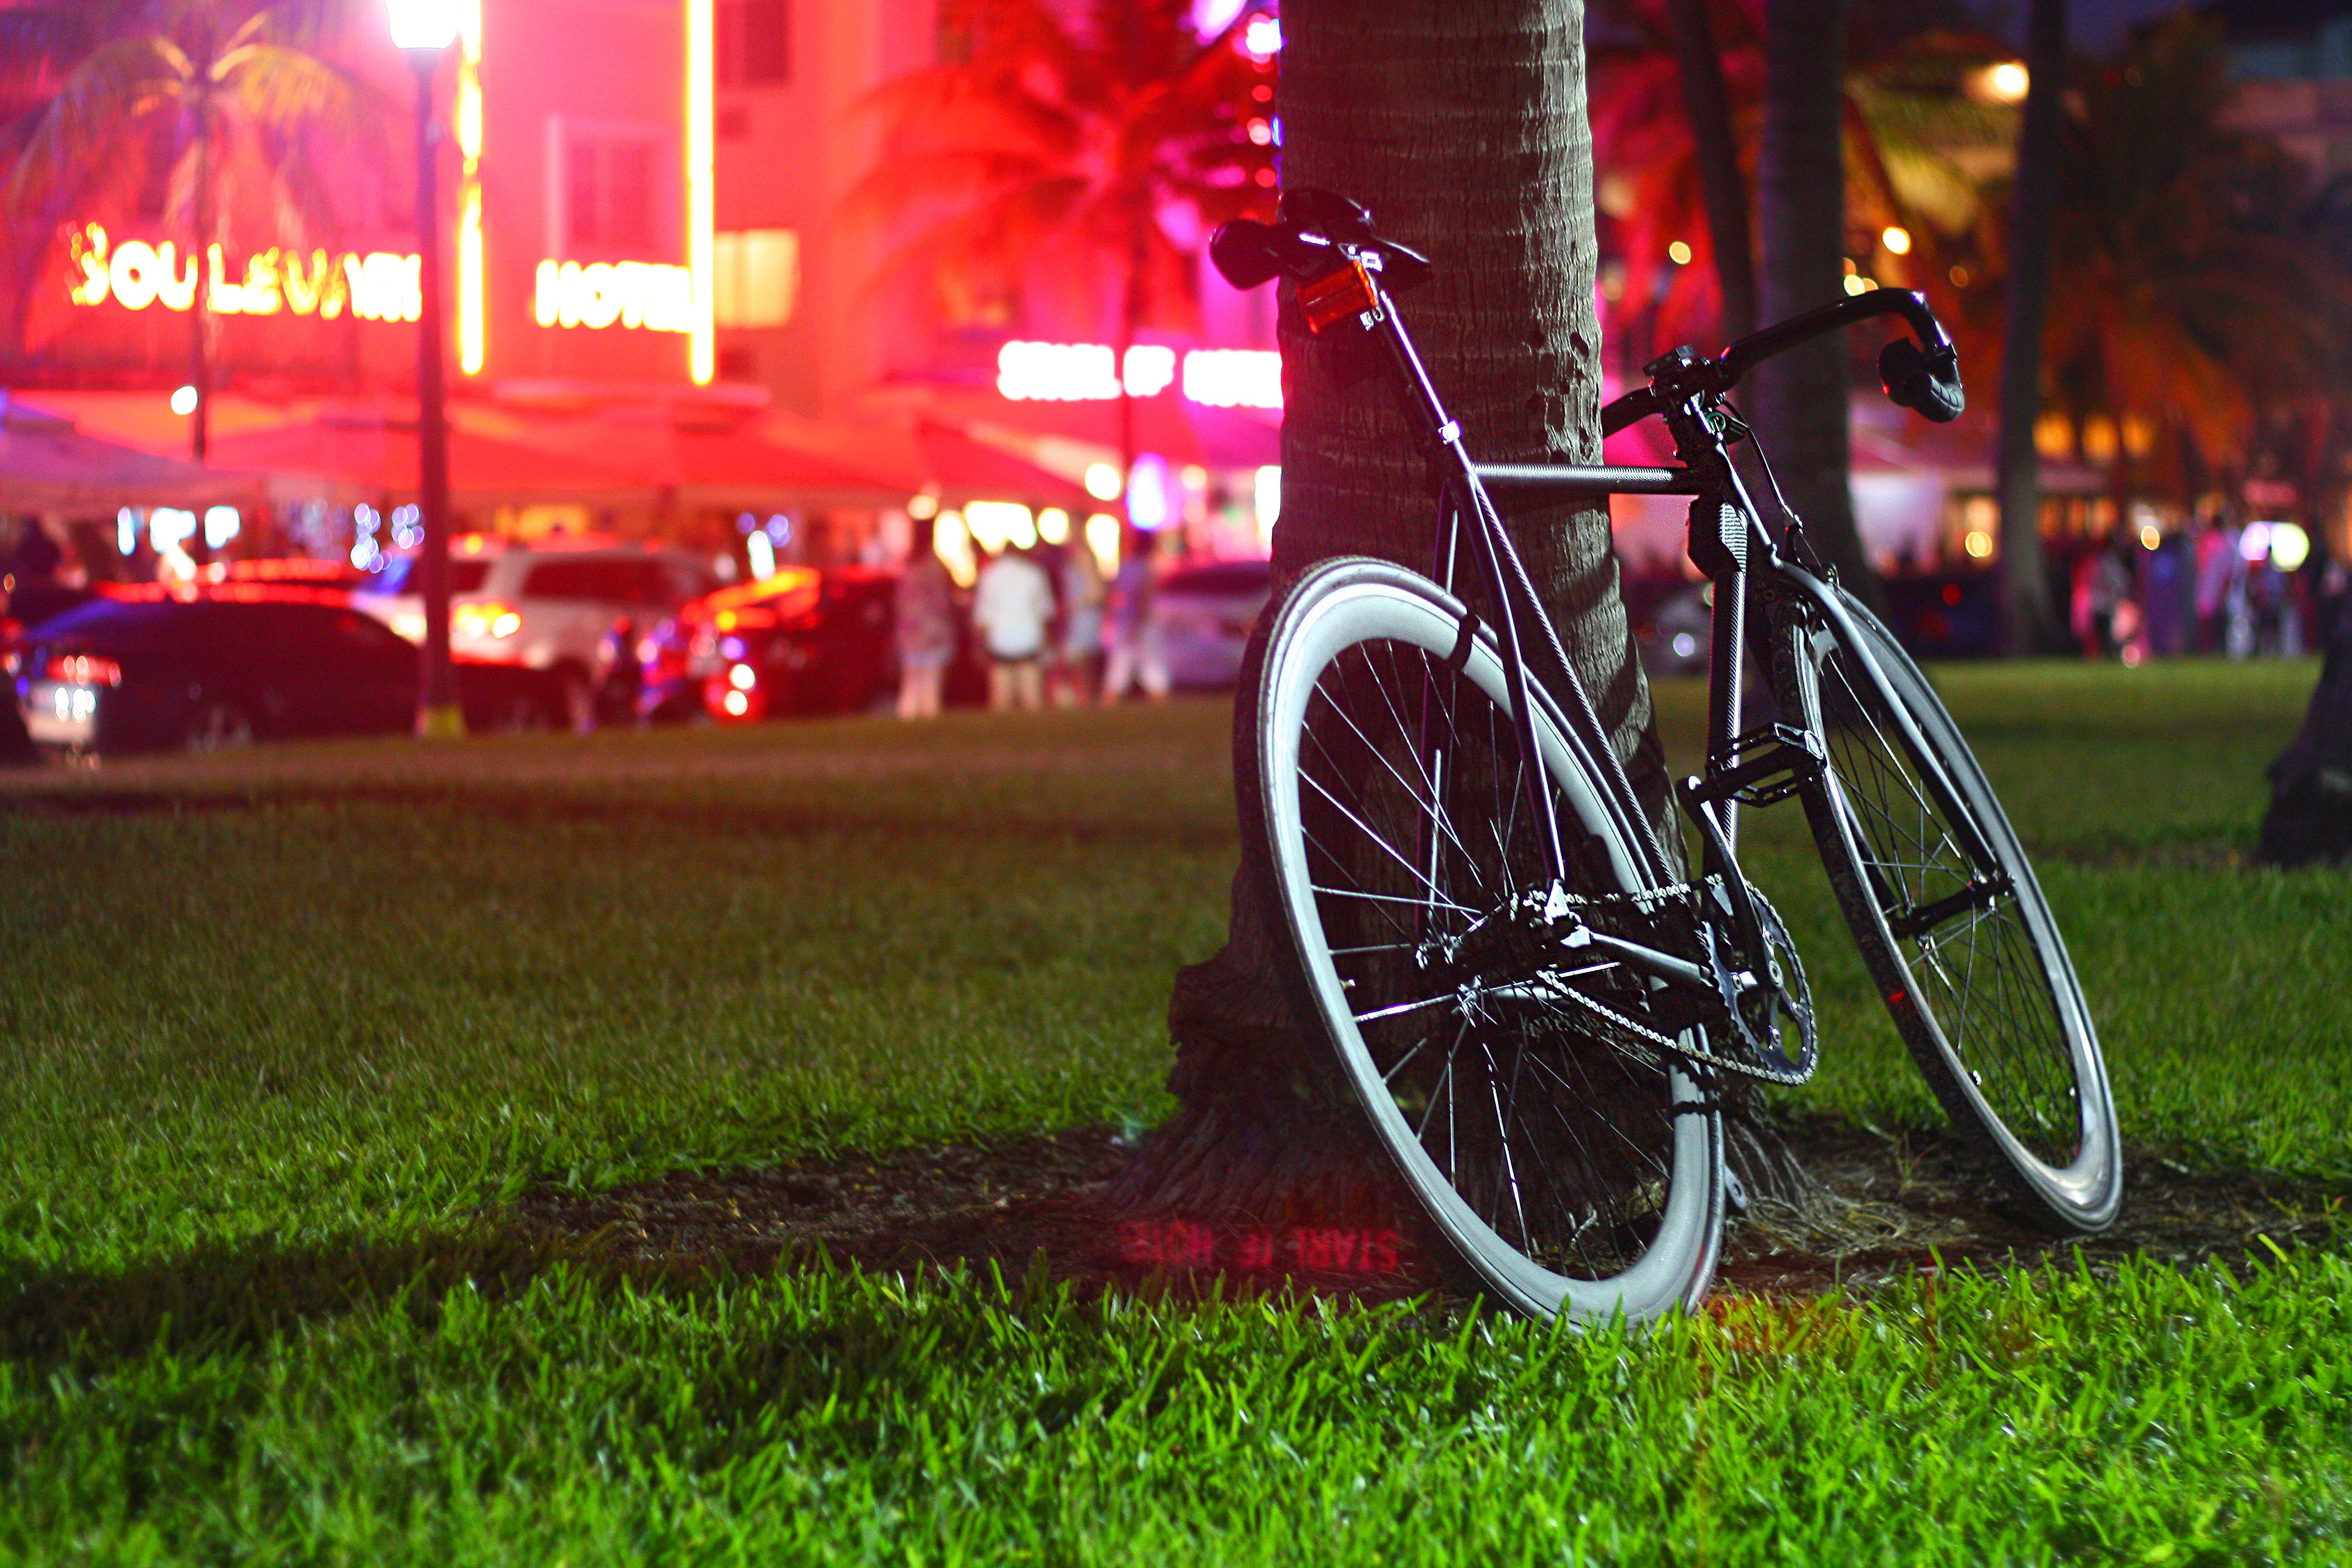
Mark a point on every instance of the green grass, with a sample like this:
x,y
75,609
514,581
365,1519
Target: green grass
x,y
280,1032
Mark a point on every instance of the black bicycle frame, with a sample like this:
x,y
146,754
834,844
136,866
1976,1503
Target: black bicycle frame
x,y
1728,541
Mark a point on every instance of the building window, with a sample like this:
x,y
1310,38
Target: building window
x,y
615,190
755,276
754,42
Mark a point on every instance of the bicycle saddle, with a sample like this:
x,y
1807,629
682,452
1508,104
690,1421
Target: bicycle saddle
x,y
1317,233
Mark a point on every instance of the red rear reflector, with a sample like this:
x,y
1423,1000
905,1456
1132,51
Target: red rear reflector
x,y
84,669
1345,293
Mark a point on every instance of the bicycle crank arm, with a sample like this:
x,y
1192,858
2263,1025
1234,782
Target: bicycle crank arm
x,y
1665,966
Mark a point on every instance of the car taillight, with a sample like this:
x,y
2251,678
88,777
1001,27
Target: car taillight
x,y
489,619
84,669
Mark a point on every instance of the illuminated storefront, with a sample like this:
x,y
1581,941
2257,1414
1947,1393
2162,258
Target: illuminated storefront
x,y
577,163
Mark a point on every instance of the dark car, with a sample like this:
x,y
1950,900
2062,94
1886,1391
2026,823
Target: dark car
x,y
801,640
1672,624
1204,615
224,666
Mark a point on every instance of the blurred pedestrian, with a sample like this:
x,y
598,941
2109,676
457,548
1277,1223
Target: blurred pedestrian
x,y
1136,656
1013,607
620,676
925,632
1083,597
2105,618
2221,585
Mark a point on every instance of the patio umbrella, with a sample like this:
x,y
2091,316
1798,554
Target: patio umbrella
x,y
379,456
721,461
963,468
46,464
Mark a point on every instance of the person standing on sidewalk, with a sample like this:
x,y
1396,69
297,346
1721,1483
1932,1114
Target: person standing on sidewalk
x,y
926,631
1013,609
1136,656
1082,594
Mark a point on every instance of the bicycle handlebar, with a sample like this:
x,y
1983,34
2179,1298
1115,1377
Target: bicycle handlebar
x,y
1923,376
1318,234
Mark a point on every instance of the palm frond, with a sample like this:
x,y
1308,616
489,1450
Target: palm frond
x,y
290,91
97,107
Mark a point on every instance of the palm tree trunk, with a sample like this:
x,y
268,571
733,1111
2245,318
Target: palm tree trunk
x,y
1707,104
1462,125
1800,397
2028,625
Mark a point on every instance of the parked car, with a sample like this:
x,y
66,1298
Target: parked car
x,y
1944,615
548,605
1204,615
802,640
221,666
1672,624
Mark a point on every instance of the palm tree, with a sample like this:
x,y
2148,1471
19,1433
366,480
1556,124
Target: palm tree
x,y
2027,623
2189,291
1919,153
1040,168
1707,104
1800,397
201,91
1461,126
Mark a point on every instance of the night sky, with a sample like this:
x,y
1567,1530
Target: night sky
x,y
2096,25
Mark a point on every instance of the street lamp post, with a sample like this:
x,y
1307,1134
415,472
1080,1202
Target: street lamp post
x,y
424,30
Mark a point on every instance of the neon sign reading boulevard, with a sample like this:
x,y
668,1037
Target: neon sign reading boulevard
x,y
377,287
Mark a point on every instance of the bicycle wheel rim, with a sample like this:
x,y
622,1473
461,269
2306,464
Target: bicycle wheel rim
x,y
1635,1162
1987,1000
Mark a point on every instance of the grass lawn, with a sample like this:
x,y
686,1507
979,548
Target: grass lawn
x,y
282,1032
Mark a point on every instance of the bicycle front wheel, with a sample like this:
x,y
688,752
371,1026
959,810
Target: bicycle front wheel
x,y
1567,1174
1952,923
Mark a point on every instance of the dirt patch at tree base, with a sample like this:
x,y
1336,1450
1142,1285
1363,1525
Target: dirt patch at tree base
x,y
1884,1207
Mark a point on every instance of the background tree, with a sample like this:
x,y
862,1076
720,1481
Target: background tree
x,y
1462,125
1064,160
1799,401
210,94
2027,624
1919,151
2190,291
1707,103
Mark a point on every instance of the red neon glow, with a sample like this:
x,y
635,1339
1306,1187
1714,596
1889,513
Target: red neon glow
x,y
1295,1249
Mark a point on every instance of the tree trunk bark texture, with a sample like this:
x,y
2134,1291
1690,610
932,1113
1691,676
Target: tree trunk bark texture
x,y
1799,401
1461,124
1707,103
2027,623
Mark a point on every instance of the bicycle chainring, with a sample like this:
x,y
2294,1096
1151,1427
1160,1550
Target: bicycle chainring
x,y
1768,1019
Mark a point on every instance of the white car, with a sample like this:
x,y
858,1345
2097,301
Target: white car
x,y
548,605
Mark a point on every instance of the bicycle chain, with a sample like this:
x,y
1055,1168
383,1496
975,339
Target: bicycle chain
x,y
1697,938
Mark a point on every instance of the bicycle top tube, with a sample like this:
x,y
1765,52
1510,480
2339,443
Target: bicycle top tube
x,y
1609,480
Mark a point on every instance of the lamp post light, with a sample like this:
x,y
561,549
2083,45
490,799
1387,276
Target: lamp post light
x,y
424,30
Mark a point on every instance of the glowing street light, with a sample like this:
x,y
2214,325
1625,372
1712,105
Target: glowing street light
x,y
424,30
2006,82
428,25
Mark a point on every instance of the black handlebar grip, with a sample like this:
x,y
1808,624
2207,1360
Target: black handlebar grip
x,y
1926,382
1244,251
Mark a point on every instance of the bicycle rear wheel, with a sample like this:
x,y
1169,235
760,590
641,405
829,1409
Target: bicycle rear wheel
x,y
1565,1174
1953,925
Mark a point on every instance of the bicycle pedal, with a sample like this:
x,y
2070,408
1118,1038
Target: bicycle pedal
x,y
1776,761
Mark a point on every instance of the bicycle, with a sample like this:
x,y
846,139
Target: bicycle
x,y
1536,1015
